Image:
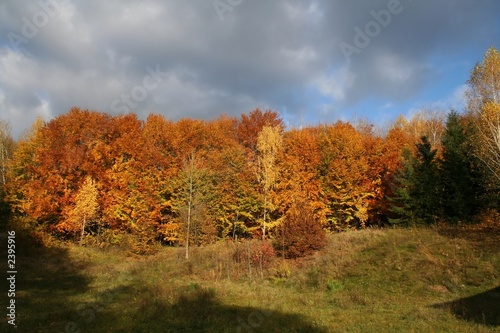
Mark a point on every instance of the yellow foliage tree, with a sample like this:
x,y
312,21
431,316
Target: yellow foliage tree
x,y
6,148
484,104
86,204
23,188
269,143
345,172
489,131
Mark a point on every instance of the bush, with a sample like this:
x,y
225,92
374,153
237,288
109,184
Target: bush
x,y
300,234
262,254
283,270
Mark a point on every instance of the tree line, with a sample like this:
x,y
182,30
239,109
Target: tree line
x,y
89,174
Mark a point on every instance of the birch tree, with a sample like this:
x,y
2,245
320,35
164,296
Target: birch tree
x,y
190,200
6,150
269,143
6,147
86,205
484,103
190,172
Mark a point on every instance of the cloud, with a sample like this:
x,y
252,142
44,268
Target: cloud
x,y
279,54
456,100
336,84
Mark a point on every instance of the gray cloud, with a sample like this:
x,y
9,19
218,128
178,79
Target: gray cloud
x,y
268,54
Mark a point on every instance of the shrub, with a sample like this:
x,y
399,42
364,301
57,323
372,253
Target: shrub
x,y
262,254
300,234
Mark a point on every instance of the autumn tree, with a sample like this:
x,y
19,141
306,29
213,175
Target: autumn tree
x,y
25,189
52,164
249,127
127,194
236,201
161,165
86,205
484,82
190,198
298,178
484,104
298,195
6,149
428,122
344,171
269,143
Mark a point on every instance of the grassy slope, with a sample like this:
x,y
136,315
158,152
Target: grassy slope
x,y
410,280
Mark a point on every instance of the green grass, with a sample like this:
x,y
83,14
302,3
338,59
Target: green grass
x,y
394,280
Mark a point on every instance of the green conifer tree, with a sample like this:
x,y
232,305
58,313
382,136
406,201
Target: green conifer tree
x,y
460,178
417,193
402,206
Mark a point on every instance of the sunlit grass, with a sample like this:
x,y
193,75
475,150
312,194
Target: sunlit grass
x,y
395,280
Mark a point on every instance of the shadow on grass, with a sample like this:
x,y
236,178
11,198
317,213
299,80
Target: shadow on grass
x,y
53,294
481,308
46,283
196,310
483,236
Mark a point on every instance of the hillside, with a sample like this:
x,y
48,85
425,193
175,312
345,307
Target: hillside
x,y
393,280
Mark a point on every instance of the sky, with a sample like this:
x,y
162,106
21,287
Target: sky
x,y
312,61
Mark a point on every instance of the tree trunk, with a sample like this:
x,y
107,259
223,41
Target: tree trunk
x,y
283,238
190,201
83,231
3,157
234,226
265,216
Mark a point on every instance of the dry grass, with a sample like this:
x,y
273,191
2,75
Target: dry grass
x,y
394,280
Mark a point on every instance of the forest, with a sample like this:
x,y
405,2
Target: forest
x,y
95,178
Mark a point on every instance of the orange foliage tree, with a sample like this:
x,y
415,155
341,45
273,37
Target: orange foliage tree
x,y
298,179
345,175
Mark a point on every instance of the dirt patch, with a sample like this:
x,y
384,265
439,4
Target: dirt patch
x,y
439,288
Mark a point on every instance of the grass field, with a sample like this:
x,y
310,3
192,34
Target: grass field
x,y
392,280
